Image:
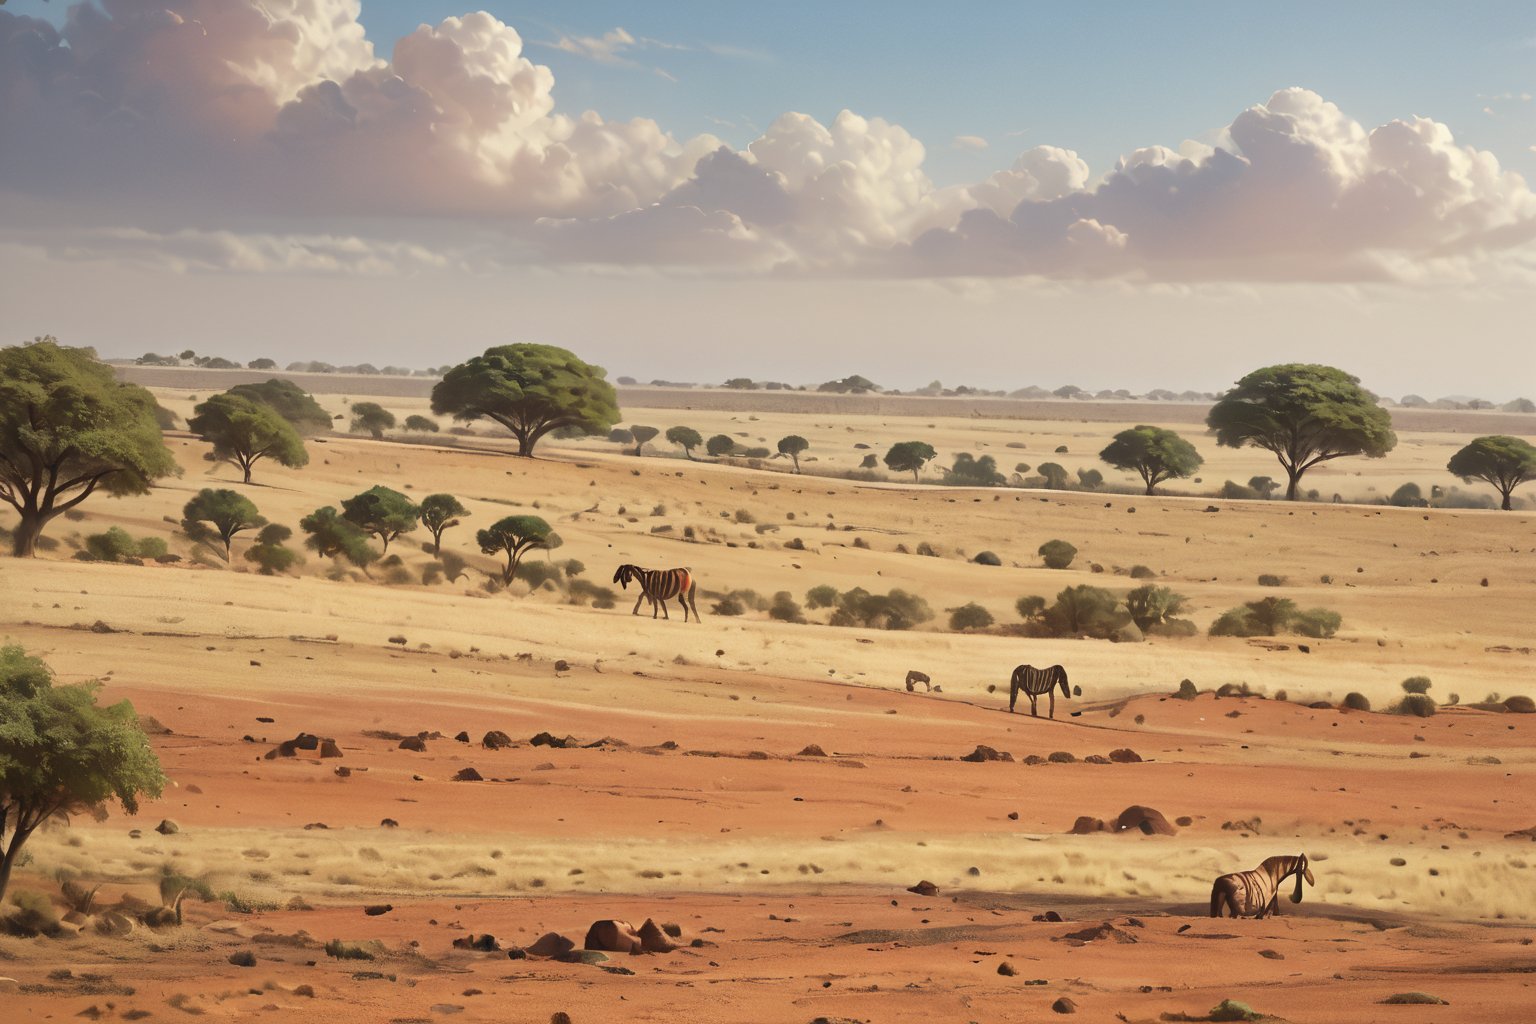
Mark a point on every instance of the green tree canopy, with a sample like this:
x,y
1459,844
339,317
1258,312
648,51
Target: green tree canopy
x,y
1057,554
228,512
1503,461
439,512
685,437
641,434
68,429
1083,610
421,424
1152,605
382,512
62,753
793,445
331,535
371,418
1156,453
269,552
1303,413
909,457
290,401
720,445
969,616
969,471
513,537
262,364
856,384
530,390
244,432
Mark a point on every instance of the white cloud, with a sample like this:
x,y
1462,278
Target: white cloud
x,y
971,142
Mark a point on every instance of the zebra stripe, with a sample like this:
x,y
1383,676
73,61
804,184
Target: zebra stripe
x,y
1257,892
659,586
1034,682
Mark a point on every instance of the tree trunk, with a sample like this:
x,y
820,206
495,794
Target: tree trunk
x,y
797,462
914,476
1295,479
1505,506
1150,485
437,543
9,858
246,466
24,541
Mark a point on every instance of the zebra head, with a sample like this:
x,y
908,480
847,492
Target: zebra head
x,y
1061,679
1302,871
623,575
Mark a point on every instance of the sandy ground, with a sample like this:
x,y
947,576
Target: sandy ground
x,y
791,870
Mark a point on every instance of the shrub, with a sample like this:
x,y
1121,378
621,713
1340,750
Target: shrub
x,y
536,573
271,559
1030,607
1356,702
896,610
1085,610
927,550
1420,705
973,472
1089,479
745,517
1270,580
618,435
1141,572
1053,475
583,591
1236,492
112,546
1058,554
1408,496
987,558
729,605
969,616
1416,684
1187,690
824,596
1152,605
785,609
1235,622
1319,623
1272,614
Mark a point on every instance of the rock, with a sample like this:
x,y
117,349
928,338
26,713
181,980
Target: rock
x,y
1034,759
306,741
1150,821
544,739
328,748
812,750
653,939
496,740
559,1017
167,827
551,944
389,823
1521,705
1096,759
1061,757
1013,815
462,737
986,753
517,954
1049,915
1270,954
974,872
1183,821
1006,969
306,991
1320,705
1524,833
467,775
8,985
1125,755
591,957
415,743
613,936
312,826
561,665
1099,933
377,909
1064,1005
484,943
924,888
243,958
1243,825
1086,825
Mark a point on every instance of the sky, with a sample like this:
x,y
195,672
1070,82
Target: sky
x,y
1108,195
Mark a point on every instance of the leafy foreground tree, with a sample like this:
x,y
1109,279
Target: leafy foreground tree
x,y
371,418
243,432
228,512
1305,414
1503,461
793,446
909,457
421,424
530,390
514,537
269,553
439,512
686,438
1155,453
289,401
68,429
61,753
332,536
640,435
382,512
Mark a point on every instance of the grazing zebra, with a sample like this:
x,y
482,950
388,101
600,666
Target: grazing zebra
x,y
1035,681
1257,892
914,677
659,586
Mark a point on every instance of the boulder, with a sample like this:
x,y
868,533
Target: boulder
x,y
467,775
812,750
653,939
1064,1005
1150,821
1125,755
484,943
986,753
1086,825
495,740
167,827
1521,705
328,748
924,888
415,743
613,936
551,944
1062,757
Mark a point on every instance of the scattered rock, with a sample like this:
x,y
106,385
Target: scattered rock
x,y
544,739
924,888
1524,833
1243,825
551,944
812,750
377,909
1183,821
484,943
1062,757
389,823
461,736
1096,759
1125,755
1414,998
1521,705
415,743
1064,1005
1049,915
561,665
1086,825
1013,815
496,740
467,775
167,827
243,958
1099,933
1150,821
986,753
1006,969
654,938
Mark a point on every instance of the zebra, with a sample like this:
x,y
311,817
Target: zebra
x,y
1035,681
659,586
1257,892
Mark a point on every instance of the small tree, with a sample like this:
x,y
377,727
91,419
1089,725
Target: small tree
x,y
439,512
229,512
969,616
530,390
290,401
1083,610
1272,614
1055,476
822,596
720,445
1152,605
331,536
1417,684
262,364
909,457
244,432
371,418
68,429
1057,554
382,512
792,446
513,536
641,435
1503,461
421,424
1155,453
61,753
1304,414
1263,486
1030,607
969,471
686,438
1090,479
269,553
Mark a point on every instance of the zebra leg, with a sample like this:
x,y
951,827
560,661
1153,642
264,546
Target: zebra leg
x,y
662,606
1034,705
638,599
1053,703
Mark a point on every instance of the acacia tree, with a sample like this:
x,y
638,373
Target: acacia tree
x,y
1156,453
1503,461
371,418
244,432
230,512
421,424
640,435
792,446
438,512
331,535
382,512
909,457
62,753
686,437
530,390
720,445
289,401
1303,413
514,537
68,429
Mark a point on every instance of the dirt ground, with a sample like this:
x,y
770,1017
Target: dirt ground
x,y
691,794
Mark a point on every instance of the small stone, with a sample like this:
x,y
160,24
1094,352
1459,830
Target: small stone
x,y
1064,1005
167,827
1006,969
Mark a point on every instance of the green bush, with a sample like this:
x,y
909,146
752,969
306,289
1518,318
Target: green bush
x,y
1356,702
1419,705
1235,622
1417,684
785,609
896,610
536,573
969,616
112,546
730,604
1319,623
1236,492
271,559
823,596
1142,572
1030,607
1085,610
1187,690
1058,554
1271,580
584,591
1152,605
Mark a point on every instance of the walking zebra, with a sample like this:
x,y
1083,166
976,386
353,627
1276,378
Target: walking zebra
x,y
659,586
1257,892
1035,681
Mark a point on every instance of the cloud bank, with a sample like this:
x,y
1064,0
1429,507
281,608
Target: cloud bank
x,y
179,124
